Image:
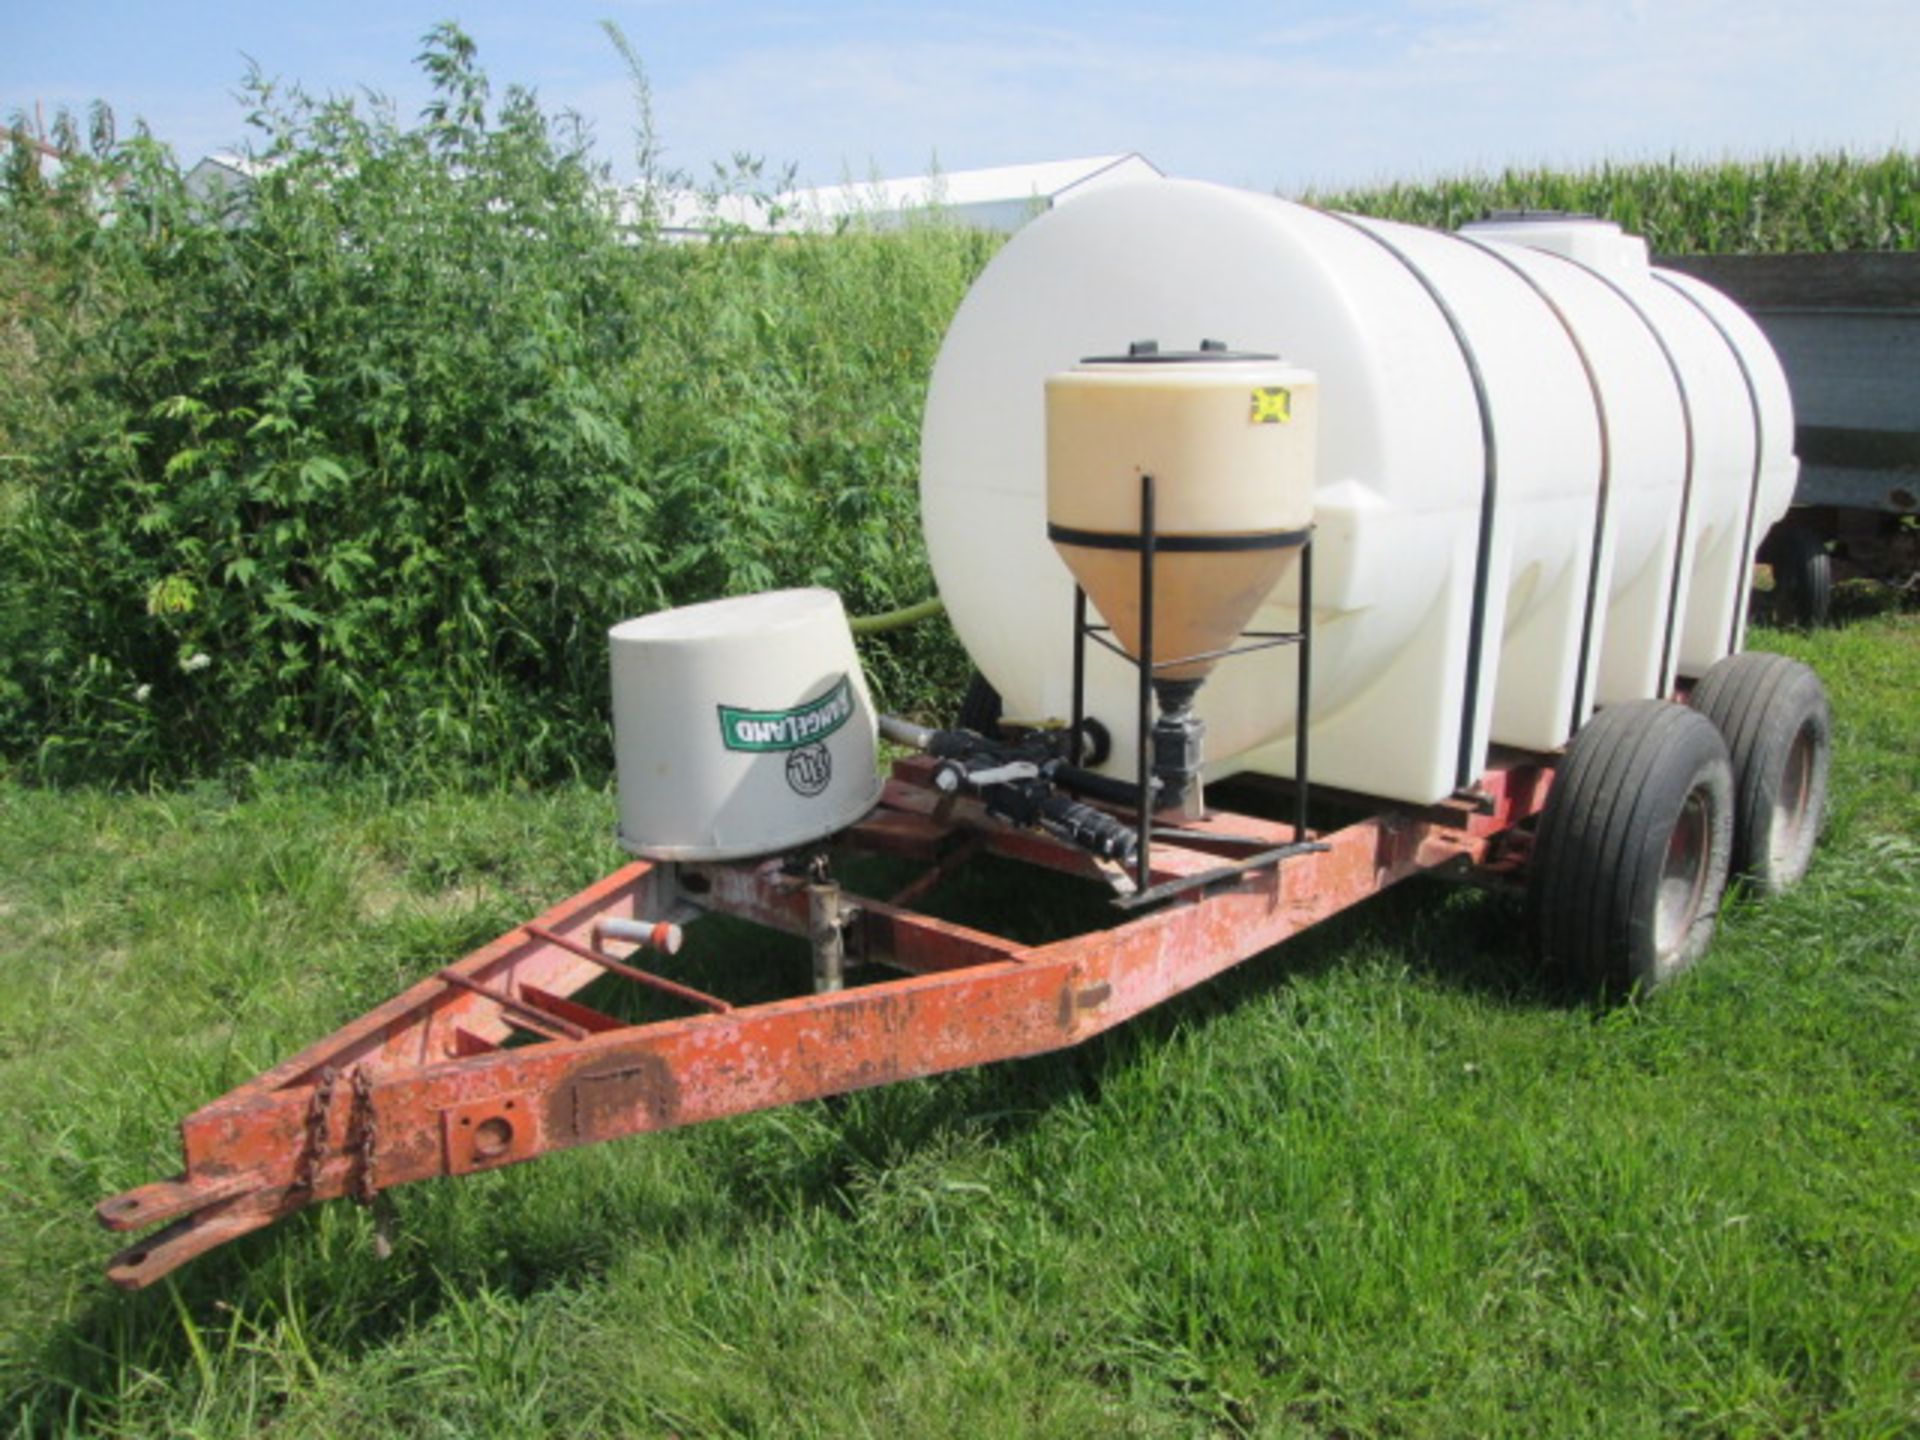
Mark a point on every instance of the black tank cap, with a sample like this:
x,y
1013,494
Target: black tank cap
x,y
1148,352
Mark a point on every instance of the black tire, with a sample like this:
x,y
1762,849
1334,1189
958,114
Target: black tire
x,y
1802,576
1774,715
980,707
1633,847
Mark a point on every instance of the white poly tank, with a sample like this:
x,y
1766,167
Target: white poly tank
x,y
1543,469
740,727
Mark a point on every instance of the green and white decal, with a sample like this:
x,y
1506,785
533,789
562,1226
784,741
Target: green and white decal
x,y
762,730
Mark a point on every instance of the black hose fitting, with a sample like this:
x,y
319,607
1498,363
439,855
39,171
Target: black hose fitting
x,y
1038,801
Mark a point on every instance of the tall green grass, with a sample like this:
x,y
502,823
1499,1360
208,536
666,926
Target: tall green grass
x,y
1384,1181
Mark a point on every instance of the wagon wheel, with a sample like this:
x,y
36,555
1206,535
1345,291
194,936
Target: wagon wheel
x,y
1802,576
1633,848
1778,727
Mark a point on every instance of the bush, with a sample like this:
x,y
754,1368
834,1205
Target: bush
x,y
361,462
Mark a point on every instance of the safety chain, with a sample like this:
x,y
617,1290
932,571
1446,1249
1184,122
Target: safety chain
x,y
363,1133
316,1143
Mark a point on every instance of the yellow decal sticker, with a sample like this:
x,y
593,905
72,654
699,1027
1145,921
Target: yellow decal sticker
x,y
1272,405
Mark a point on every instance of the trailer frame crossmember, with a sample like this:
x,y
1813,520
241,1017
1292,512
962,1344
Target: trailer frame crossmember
x,y
436,1088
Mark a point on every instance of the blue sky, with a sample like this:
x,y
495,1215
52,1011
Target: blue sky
x,y
1266,95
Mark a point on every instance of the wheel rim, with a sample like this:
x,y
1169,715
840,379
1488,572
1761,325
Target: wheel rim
x,y
1793,810
1683,877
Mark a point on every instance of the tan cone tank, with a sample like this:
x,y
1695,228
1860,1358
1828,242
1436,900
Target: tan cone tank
x,y
1229,442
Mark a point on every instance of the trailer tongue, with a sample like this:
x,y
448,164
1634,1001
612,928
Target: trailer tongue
x,y
492,1060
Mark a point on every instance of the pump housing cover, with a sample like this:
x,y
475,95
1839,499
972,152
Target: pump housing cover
x,y
741,727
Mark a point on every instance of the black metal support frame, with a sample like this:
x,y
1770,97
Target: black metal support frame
x,y
1150,544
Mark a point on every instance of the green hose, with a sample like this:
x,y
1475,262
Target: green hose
x,y
896,619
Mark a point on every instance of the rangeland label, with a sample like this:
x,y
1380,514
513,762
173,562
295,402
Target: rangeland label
x,y
762,730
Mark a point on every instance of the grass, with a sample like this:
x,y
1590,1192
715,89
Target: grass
x,y
1385,1181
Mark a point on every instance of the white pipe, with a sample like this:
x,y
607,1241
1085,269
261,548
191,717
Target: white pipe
x,y
661,935
905,732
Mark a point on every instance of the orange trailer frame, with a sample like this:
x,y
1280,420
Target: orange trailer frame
x,y
429,1084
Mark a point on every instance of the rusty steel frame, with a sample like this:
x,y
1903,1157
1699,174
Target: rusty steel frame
x,y
433,1088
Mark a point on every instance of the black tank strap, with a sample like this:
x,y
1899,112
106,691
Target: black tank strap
x,y
1579,714
1465,768
1753,403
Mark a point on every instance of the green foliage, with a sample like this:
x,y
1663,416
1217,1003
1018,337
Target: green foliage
x,y
360,462
1782,203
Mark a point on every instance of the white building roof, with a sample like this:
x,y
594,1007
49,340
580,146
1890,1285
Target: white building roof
x,y
225,179
1002,198
1048,181
688,212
